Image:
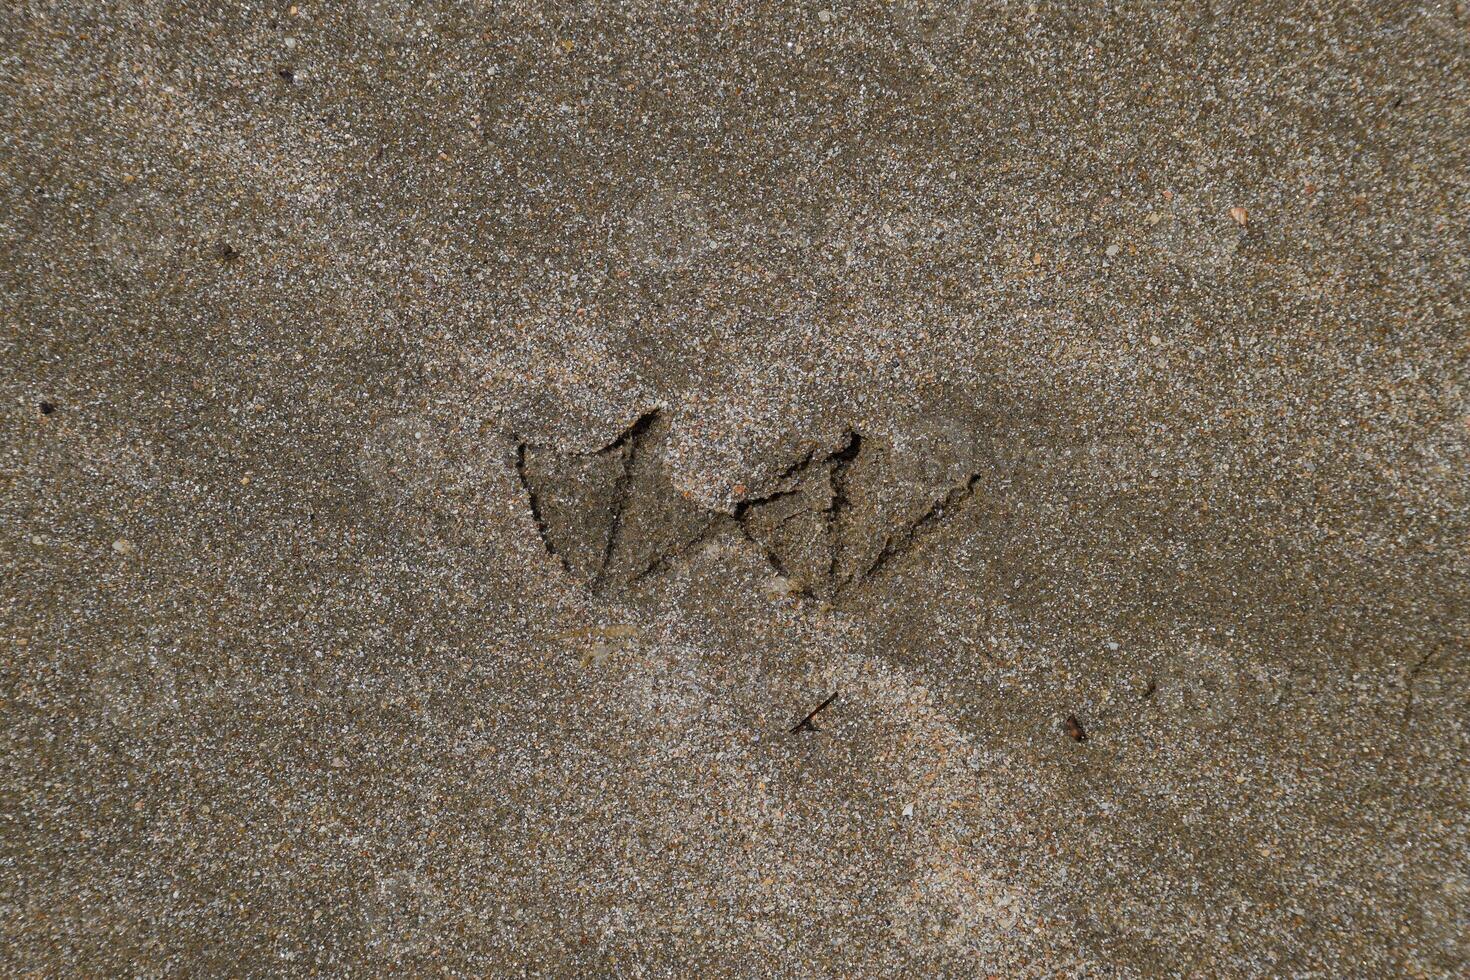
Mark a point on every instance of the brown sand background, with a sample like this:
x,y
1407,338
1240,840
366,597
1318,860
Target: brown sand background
x,y
291,684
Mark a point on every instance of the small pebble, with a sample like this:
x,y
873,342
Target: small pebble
x,y
123,546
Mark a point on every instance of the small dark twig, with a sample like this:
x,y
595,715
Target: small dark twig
x,y
806,723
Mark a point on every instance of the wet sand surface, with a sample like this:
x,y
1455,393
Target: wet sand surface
x,y
448,450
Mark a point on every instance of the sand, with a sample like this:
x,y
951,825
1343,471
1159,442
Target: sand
x,y
448,449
